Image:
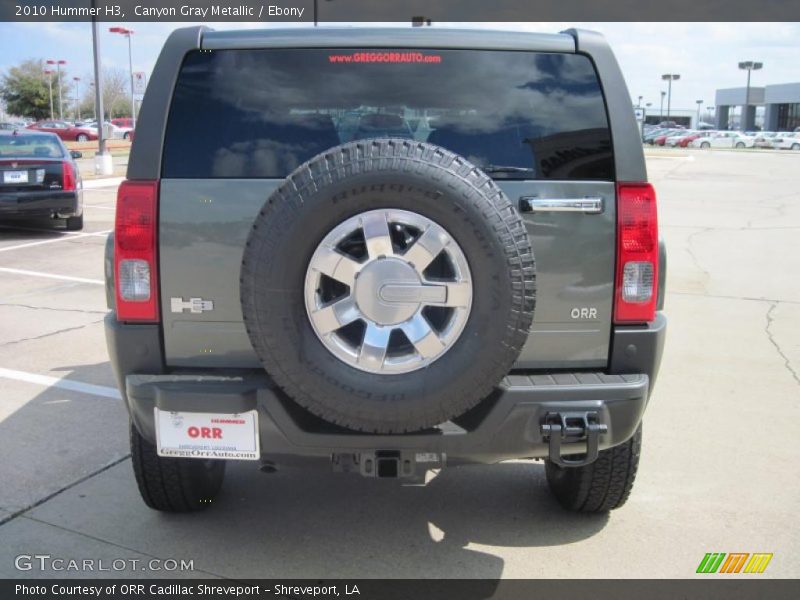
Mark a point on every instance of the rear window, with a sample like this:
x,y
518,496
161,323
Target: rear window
x,y
262,113
30,146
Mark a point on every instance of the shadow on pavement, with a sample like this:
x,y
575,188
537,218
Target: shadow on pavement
x,y
57,436
30,229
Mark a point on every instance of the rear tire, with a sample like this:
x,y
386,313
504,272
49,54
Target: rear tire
x,y
174,484
75,223
82,137
795,146
740,145
601,486
705,145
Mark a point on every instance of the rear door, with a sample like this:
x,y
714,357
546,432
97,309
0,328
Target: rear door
x,y
535,121
724,141
60,129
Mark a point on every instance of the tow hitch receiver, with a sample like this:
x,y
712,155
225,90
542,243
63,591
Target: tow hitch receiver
x,y
389,464
569,427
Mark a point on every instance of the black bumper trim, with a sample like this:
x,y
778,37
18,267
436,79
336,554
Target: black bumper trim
x,y
133,348
510,428
638,349
37,203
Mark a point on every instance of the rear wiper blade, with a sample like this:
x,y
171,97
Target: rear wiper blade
x,y
506,169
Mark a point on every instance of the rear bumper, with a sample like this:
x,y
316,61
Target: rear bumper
x,y
506,425
509,427
39,203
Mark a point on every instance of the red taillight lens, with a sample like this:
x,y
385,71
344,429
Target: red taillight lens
x,y
135,256
67,176
637,253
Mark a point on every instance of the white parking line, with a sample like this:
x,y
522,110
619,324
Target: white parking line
x,y
90,184
686,158
58,239
48,230
64,384
51,276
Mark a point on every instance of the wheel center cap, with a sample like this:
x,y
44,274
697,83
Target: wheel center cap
x,y
389,291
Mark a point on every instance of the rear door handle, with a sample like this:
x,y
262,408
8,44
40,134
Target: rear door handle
x,y
589,205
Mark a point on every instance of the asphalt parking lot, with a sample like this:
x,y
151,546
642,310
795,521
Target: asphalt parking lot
x,y
719,471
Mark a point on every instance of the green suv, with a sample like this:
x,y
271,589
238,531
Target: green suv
x,y
384,252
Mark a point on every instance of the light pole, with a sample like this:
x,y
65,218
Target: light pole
x,y
748,65
77,98
639,103
699,102
103,163
58,64
128,33
94,107
49,74
670,77
661,112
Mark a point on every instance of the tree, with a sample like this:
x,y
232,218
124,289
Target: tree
x,y
87,104
115,96
25,92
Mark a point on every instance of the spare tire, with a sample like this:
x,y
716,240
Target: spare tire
x,y
388,285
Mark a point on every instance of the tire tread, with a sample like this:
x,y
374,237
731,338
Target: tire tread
x,y
602,486
170,484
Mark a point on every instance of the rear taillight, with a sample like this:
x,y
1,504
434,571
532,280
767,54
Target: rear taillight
x,y
637,254
67,176
135,257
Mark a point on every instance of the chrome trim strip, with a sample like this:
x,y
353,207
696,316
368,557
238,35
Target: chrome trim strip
x,y
588,205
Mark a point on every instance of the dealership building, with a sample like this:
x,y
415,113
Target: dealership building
x,y
780,102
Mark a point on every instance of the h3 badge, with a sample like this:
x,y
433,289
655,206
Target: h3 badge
x,y
193,305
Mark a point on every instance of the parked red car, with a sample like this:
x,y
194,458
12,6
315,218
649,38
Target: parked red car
x,y
685,141
660,140
65,131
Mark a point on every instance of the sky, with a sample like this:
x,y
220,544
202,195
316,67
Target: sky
x,y
705,55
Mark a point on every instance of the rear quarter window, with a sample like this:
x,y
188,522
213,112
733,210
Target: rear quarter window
x,y
262,113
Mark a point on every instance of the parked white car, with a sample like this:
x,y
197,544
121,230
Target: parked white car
x,y
787,141
118,132
766,139
725,139
114,131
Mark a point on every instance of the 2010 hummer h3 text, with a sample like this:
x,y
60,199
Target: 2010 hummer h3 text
x,y
385,251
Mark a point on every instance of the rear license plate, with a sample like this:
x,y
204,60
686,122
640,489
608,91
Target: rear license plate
x,y
207,435
15,177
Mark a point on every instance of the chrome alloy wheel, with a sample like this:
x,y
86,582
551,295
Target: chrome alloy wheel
x,y
388,291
